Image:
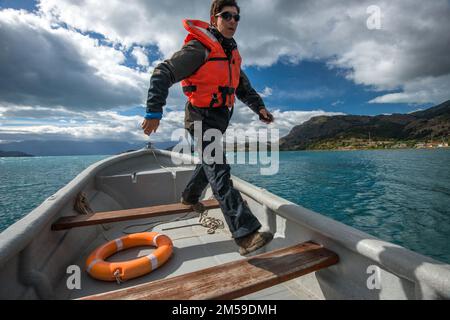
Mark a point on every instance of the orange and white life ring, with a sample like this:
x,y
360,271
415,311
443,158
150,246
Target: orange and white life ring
x,y
100,269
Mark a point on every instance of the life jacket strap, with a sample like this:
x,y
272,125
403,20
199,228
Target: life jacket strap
x,y
218,59
214,100
226,91
189,89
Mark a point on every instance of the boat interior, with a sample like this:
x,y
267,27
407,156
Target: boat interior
x,y
310,257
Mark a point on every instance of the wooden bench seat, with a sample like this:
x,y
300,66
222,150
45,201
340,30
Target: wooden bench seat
x,y
130,214
234,279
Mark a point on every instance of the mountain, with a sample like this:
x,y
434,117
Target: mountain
x,y
330,132
68,148
14,154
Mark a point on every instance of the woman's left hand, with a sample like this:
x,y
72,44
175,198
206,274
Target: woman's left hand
x,y
265,116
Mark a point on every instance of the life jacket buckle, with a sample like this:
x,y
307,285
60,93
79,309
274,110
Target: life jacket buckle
x,y
214,100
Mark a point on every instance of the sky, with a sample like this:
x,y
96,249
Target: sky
x,y
80,70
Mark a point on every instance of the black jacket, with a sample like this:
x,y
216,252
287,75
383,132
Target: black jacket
x,y
183,64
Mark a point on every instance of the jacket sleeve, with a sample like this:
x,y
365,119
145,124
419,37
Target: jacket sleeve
x,y
248,95
181,65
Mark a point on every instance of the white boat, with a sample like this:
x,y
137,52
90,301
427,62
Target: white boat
x,y
36,262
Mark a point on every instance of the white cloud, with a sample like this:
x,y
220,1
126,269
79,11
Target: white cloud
x,y
413,42
103,125
110,125
9,110
244,119
267,92
139,21
422,90
141,56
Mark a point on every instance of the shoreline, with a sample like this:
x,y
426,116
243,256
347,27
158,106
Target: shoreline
x,y
231,151
372,149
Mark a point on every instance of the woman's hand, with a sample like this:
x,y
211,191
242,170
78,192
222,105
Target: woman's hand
x,y
265,116
150,125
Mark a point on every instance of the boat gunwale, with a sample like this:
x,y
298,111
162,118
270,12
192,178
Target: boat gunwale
x,y
17,236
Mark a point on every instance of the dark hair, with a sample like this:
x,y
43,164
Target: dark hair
x,y
218,5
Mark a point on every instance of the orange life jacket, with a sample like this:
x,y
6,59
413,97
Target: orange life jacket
x,y
214,84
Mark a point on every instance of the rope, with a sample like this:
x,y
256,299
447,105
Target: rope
x,y
82,207
81,204
117,276
211,223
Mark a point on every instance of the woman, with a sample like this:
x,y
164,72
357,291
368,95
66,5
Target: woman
x,y
209,66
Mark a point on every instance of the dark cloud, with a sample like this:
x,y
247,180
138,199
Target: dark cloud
x,y
45,68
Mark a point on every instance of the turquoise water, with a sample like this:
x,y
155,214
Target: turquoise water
x,y
26,182
401,196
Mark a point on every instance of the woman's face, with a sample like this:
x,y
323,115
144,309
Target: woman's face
x,y
226,28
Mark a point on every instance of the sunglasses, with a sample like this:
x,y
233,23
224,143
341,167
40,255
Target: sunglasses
x,y
228,16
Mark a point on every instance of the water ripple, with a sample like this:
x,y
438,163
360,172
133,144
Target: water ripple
x,y
401,196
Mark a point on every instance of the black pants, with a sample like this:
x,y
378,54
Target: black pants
x,y
238,216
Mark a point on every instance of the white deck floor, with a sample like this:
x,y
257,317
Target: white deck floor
x,y
194,249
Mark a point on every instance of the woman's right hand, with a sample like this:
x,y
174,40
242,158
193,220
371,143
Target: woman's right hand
x,y
150,125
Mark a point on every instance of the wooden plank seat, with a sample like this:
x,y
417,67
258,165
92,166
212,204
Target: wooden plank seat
x,y
130,214
234,279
